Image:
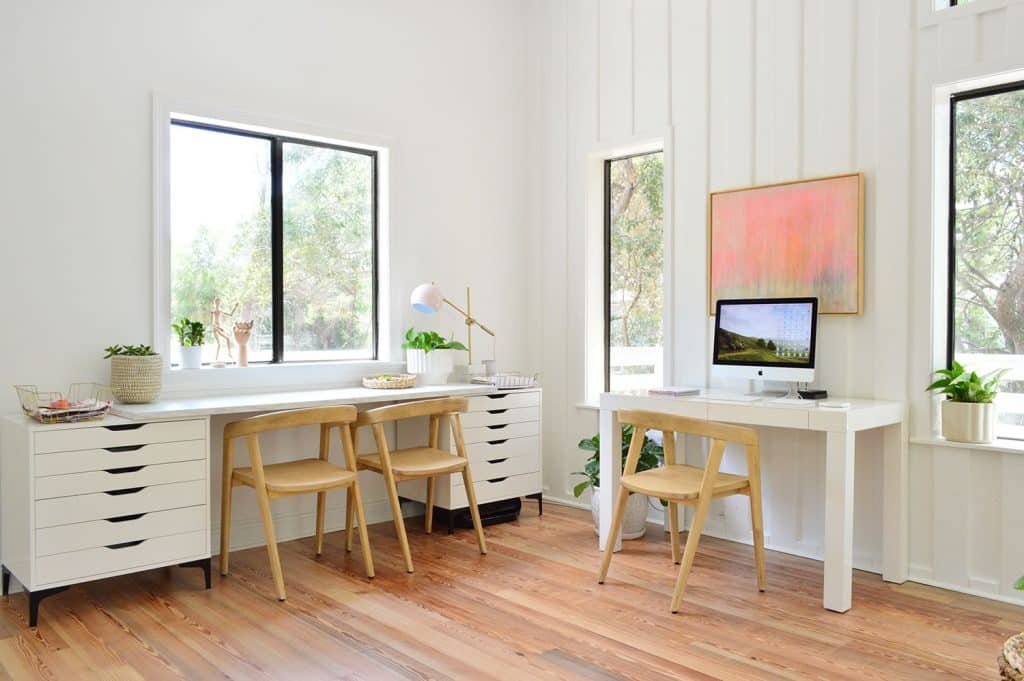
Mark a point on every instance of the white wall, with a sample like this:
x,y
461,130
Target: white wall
x,y
443,81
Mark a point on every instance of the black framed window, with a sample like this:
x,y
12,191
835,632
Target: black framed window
x,y
277,230
633,271
985,326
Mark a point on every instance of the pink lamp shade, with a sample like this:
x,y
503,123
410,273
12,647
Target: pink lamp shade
x,y
427,298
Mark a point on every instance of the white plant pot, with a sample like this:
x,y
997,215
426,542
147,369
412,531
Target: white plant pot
x,y
432,368
191,356
973,422
634,522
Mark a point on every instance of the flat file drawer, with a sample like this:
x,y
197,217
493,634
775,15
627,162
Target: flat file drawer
x,y
502,467
96,562
83,507
495,433
99,437
119,478
96,533
502,488
62,463
500,417
501,449
504,400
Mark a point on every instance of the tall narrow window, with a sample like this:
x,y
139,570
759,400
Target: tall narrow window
x,y
986,241
279,231
634,276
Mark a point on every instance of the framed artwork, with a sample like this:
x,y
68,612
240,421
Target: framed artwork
x,y
792,239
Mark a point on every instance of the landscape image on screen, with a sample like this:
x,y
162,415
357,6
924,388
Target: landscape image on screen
x,y
764,333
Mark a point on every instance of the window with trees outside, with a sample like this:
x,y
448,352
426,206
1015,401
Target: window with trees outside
x,y
986,242
278,231
634,264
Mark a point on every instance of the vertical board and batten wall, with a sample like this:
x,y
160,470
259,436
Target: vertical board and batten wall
x,y
760,91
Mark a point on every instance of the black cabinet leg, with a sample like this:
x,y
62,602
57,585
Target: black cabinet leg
x,y
6,579
34,597
451,521
539,496
203,564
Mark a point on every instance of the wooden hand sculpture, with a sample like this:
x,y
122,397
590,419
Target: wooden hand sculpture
x,y
243,330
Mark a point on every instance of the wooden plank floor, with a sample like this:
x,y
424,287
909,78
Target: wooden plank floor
x,y
531,609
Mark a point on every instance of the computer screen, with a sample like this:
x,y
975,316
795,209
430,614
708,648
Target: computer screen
x,y
769,332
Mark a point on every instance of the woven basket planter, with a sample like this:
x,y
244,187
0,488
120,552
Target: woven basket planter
x,y
136,379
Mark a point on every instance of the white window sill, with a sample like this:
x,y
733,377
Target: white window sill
x,y
1007,446
283,377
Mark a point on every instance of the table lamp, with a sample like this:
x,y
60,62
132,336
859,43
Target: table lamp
x,y
427,298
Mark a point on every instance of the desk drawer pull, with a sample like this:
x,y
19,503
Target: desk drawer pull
x,y
125,518
496,397
127,490
496,411
125,426
497,442
498,480
124,448
505,425
125,544
497,460
125,469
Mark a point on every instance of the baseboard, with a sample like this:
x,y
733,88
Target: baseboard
x,y
1019,600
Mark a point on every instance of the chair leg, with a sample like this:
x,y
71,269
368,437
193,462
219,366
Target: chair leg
x,y
396,512
757,524
609,546
227,489
691,550
268,532
428,517
474,510
356,497
321,509
673,528
349,505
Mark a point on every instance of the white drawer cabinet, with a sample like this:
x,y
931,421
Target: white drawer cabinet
x,y
101,498
502,433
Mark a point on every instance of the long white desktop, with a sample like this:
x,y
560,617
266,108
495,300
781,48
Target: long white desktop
x,y
840,427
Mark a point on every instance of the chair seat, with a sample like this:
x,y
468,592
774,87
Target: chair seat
x,y
295,477
416,462
680,483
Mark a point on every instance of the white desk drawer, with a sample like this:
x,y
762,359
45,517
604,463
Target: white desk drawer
x,y
99,437
83,507
495,433
504,400
63,463
119,478
501,468
96,533
95,562
493,490
500,417
499,449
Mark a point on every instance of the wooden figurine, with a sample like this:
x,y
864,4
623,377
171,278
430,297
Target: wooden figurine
x,y
243,330
217,315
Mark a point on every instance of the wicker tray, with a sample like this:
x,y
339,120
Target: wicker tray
x,y
390,381
85,401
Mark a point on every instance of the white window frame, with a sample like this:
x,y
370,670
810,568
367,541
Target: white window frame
x,y
262,376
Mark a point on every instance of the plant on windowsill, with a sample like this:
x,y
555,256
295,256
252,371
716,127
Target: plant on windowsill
x,y
969,410
634,521
136,373
429,355
191,335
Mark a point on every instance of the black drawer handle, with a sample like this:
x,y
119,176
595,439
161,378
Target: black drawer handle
x,y
497,397
125,448
125,544
499,479
497,442
125,426
496,411
504,425
125,469
124,518
127,490
497,460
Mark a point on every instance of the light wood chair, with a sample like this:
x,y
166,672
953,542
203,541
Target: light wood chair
x,y
420,462
304,476
689,485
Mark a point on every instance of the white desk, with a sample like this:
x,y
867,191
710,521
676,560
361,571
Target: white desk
x,y
839,426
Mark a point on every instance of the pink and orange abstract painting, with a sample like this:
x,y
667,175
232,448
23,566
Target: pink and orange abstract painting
x,y
794,239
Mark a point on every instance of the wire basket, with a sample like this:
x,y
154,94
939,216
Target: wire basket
x,y
509,381
81,402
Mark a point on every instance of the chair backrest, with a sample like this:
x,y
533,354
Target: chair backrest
x,y
292,418
408,410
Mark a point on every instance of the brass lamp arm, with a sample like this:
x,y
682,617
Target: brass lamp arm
x,y
470,320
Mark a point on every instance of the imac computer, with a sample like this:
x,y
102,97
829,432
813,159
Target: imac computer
x,y
769,339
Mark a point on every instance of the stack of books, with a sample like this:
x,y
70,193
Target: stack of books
x,y
674,391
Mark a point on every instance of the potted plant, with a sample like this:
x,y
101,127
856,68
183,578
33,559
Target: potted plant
x,y
968,412
191,335
429,355
634,521
1011,658
136,373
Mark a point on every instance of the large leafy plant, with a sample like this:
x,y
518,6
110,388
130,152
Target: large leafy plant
x,y
428,341
651,456
128,351
960,385
190,333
